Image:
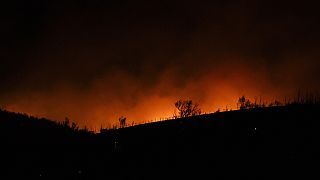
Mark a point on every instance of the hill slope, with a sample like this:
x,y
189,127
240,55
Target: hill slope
x,y
262,143
252,144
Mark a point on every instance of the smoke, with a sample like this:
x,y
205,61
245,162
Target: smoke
x,y
94,64
120,94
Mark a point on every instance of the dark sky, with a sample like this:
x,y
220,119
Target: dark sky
x,y
95,60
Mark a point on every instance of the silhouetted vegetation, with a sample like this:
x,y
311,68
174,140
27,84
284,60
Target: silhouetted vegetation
x,y
122,121
186,108
307,98
255,142
244,103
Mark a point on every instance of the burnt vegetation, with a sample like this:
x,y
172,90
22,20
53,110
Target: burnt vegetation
x,y
186,108
277,140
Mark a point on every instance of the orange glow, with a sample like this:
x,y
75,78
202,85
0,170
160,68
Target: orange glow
x,y
119,94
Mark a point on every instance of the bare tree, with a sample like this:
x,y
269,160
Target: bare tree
x,y
187,108
122,121
74,126
244,103
248,104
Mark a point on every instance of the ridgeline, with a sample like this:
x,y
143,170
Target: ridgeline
x,y
278,142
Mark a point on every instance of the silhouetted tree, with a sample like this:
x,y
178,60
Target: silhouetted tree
x,y
248,104
66,122
74,126
187,108
244,103
122,121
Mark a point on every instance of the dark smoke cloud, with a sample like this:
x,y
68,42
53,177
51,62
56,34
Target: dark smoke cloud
x,y
94,61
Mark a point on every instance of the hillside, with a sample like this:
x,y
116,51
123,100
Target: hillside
x,y
252,144
261,143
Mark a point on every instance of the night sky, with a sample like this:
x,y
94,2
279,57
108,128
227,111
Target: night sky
x,y
94,61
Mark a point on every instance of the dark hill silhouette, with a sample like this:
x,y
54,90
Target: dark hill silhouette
x,y
260,143
33,147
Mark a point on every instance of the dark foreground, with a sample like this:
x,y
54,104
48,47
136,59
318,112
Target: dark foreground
x,y
263,143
